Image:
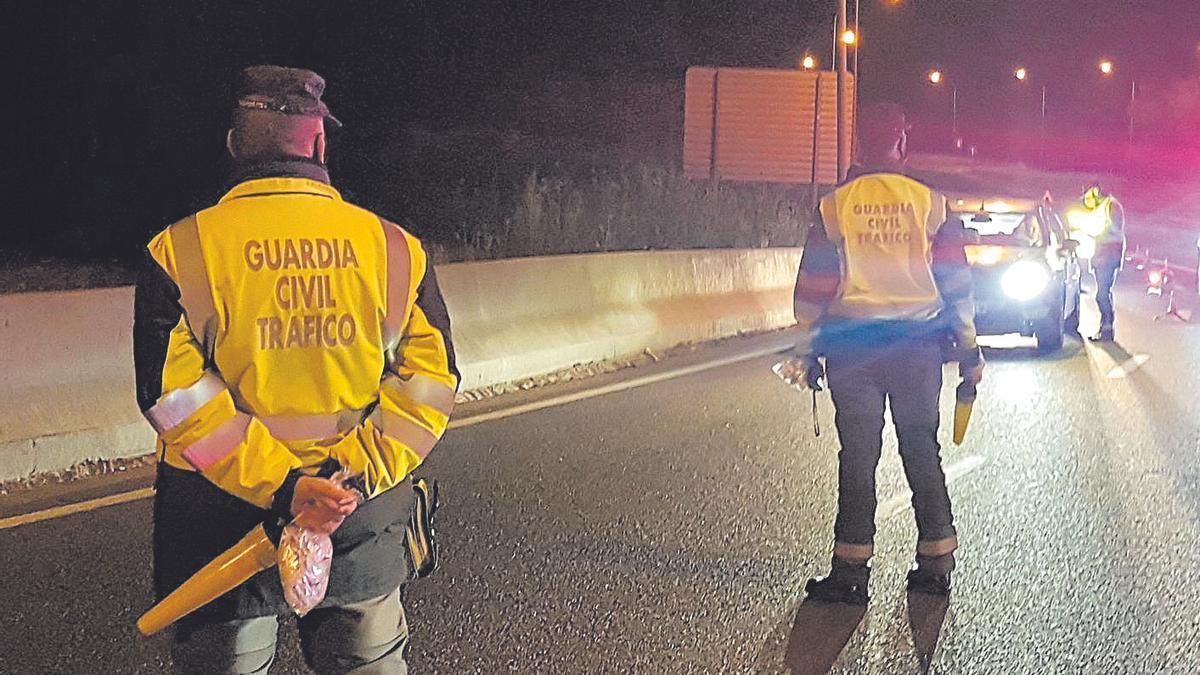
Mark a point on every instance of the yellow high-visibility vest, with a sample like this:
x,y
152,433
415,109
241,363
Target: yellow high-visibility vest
x,y
884,225
301,340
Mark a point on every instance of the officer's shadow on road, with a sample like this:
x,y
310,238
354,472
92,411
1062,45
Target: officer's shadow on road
x,y
1115,351
926,615
820,632
810,638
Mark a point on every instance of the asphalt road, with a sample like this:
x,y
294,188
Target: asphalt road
x,y
670,528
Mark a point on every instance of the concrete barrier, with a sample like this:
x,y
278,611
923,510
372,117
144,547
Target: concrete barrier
x,y
67,394
68,391
516,318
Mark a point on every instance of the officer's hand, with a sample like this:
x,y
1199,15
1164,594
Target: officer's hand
x,y
970,367
320,505
804,372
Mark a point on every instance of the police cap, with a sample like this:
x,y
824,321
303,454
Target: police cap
x,y
289,91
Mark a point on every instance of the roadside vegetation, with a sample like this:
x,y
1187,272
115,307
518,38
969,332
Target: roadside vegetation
x,y
484,195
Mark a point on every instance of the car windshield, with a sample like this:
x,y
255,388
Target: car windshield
x,y
1006,229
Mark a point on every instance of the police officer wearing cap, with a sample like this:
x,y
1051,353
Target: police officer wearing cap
x,y
280,335
884,296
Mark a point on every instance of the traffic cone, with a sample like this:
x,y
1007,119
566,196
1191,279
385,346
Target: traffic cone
x,y
253,554
965,401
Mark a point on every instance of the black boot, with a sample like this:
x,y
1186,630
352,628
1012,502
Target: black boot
x,y
846,583
931,575
1106,334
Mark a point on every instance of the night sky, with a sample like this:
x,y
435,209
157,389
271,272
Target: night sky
x,y
123,105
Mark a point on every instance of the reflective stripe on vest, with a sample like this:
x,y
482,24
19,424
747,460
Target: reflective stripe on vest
x,y
1111,232
311,427
828,208
195,291
217,445
939,212
176,406
399,286
404,430
421,390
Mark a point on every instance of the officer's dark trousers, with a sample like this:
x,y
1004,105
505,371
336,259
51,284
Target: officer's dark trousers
x,y
908,377
1106,269
362,638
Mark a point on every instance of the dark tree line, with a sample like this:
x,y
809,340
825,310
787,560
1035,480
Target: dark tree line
x,y
118,109
122,106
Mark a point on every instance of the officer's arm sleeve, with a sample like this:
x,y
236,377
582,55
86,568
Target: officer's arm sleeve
x,y
188,403
1118,216
952,274
416,392
817,284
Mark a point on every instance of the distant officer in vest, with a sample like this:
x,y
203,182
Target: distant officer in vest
x,y
1109,218
884,296
280,335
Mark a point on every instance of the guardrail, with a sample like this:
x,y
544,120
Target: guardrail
x,y
68,391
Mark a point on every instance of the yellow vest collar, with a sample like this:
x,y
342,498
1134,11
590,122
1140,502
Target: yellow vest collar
x,y
275,186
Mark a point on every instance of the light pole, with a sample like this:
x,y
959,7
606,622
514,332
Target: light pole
x,y
857,50
936,78
1042,137
846,38
1107,69
857,33
1021,73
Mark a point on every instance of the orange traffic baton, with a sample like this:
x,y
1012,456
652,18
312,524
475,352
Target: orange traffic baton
x,y
253,554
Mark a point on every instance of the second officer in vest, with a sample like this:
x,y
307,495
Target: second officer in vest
x,y
280,334
1106,220
883,290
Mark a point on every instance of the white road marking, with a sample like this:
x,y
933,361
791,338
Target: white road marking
x,y
1112,370
612,388
902,502
78,507
124,497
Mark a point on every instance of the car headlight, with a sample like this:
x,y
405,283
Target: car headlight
x,y
1025,280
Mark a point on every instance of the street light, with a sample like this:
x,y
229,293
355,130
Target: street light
x,y
1107,68
845,38
1022,75
936,77
808,62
